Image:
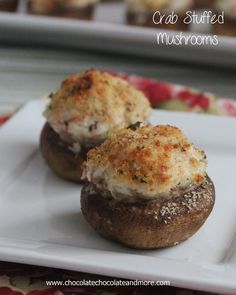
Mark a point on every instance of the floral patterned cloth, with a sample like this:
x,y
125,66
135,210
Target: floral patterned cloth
x,y
17,279
163,95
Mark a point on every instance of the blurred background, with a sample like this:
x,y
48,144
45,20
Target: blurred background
x,y
43,41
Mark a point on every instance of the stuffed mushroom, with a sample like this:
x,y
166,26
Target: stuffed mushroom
x,y
87,109
147,187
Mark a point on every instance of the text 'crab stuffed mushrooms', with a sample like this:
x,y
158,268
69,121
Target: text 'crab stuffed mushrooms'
x,y
86,109
147,187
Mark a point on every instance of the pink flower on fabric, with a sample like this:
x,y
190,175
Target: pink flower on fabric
x,y
194,99
229,106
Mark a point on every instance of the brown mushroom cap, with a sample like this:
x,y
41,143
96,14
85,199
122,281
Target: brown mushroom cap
x,y
59,157
148,223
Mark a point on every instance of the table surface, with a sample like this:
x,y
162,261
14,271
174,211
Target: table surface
x,y
28,73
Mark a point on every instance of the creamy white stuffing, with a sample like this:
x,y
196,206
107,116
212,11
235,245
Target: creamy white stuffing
x,y
88,107
146,162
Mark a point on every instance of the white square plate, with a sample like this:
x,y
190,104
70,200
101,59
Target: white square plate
x,y
41,222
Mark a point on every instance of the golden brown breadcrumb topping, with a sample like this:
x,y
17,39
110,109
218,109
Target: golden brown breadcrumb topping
x,y
108,91
93,104
149,160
